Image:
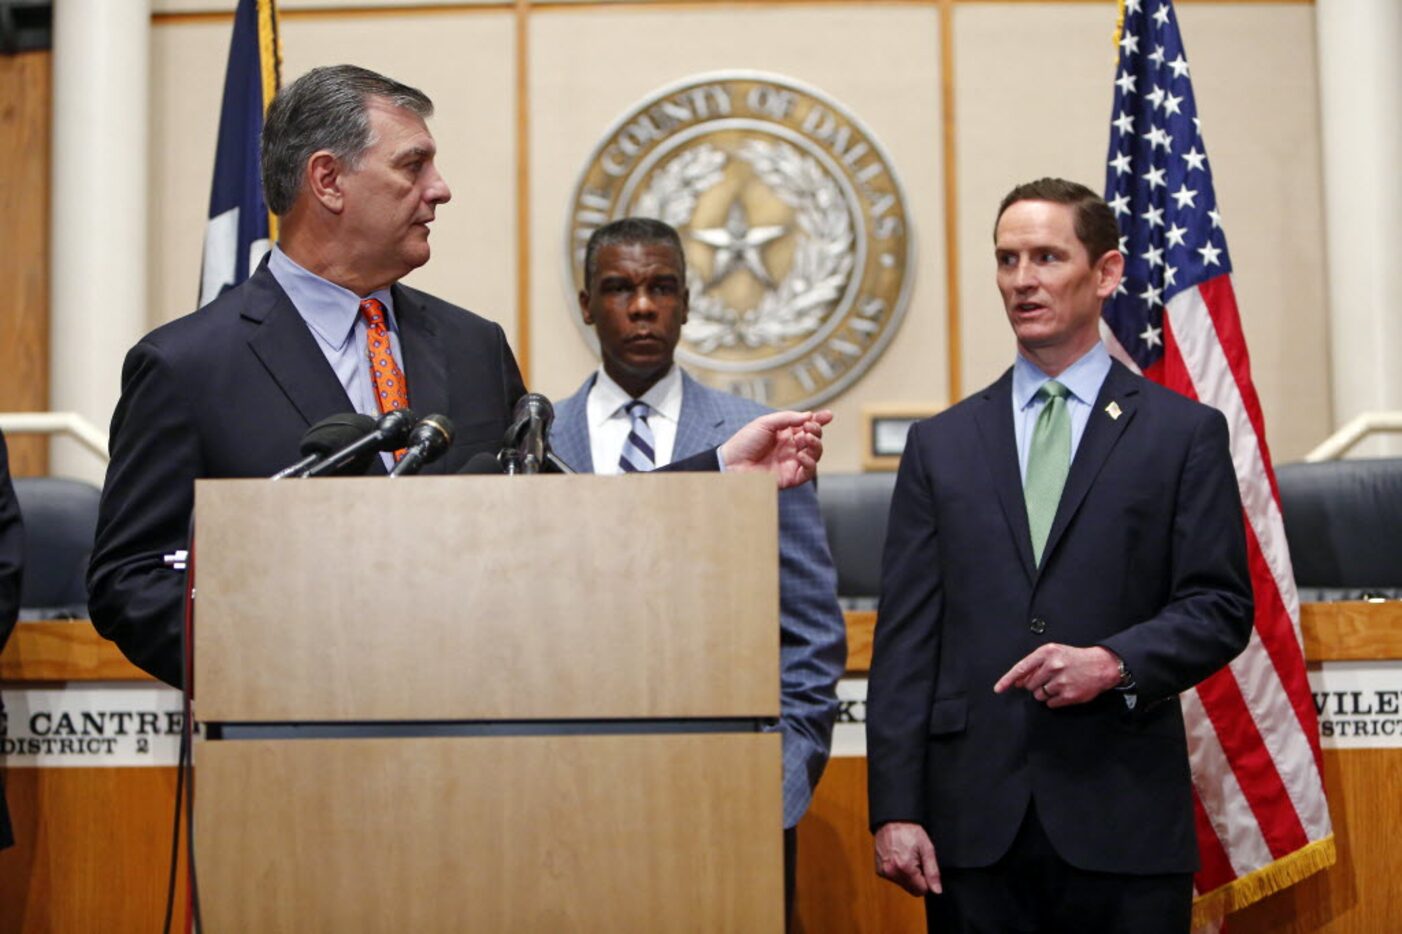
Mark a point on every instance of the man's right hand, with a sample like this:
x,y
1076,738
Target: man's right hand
x,y
905,856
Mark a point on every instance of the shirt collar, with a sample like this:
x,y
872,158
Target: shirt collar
x,y
329,310
664,397
1084,377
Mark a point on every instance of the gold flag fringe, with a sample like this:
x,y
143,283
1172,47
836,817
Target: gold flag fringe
x,y
1256,885
270,57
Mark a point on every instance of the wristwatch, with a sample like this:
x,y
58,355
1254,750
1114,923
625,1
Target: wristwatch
x,y
1126,679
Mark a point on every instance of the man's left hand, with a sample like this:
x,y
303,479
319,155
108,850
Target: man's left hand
x,y
1062,675
787,444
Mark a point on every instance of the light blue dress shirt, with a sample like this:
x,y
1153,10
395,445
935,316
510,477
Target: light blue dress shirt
x,y
333,315
1083,378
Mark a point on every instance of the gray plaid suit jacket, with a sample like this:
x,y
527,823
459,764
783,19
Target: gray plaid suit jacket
x,y
813,634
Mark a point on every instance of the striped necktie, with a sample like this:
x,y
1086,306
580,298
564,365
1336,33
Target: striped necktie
x,y
1048,463
638,451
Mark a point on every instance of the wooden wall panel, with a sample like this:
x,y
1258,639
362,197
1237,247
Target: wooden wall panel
x,y
25,96
837,889
92,851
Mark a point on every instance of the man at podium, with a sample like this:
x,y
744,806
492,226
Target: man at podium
x,y
323,326
640,411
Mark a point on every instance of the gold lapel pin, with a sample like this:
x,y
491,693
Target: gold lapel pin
x,y
1113,410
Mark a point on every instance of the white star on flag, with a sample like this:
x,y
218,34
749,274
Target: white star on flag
x,y
1151,295
1216,218
1157,55
1170,276
1170,104
1152,336
1154,177
1120,163
1174,235
1153,256
1153,216
1161,16
1157,137
1125,124
1155,96
1194,159
1130,44
1209,255
1120,205
1184,196
1179,66
1126,82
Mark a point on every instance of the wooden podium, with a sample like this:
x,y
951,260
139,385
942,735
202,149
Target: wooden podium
x,y
488,704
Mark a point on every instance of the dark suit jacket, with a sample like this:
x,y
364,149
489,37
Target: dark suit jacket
x,y
228,392
1146,557
11,568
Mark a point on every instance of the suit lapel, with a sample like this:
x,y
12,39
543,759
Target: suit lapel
x,y
1102,431
569,436
995,424
286,348
699,423
425,361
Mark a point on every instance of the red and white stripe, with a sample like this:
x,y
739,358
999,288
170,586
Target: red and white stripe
x,y
1253,736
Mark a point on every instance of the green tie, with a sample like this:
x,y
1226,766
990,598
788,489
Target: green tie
x,y
1048,462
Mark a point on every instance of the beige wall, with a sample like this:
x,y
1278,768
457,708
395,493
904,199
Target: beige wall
x,y
1031,90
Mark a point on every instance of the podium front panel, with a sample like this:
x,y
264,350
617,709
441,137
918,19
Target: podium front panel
x,y
487,598
558,833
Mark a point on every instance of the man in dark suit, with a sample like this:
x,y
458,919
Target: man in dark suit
x,y
1065,555
348,168
11,570
323,326
636,299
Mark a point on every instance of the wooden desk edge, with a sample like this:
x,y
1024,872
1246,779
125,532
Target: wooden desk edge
x,y
1349,630
71,650
64,650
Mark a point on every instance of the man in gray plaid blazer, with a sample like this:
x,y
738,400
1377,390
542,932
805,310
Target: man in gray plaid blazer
x,y
640,411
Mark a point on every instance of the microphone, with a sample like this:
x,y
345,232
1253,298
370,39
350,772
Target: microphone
x,y
427,442
529,432
391,430
329,434
483,462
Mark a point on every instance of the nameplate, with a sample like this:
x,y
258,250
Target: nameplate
x,y
1359,704
91,725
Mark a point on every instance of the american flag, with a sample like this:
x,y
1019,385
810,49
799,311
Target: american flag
x,y
1253,737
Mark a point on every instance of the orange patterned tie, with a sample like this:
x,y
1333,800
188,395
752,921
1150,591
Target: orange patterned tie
x,y
391,391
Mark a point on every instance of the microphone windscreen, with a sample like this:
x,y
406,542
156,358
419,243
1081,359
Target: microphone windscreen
x,y
483,462
336,432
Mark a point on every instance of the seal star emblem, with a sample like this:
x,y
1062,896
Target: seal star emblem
x,y
737,245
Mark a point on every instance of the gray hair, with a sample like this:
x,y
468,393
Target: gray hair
x,y
628,230
326,108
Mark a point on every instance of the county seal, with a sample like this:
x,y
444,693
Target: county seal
x,y
798,245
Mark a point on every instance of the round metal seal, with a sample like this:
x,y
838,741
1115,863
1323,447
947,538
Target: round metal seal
x,y
799,248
